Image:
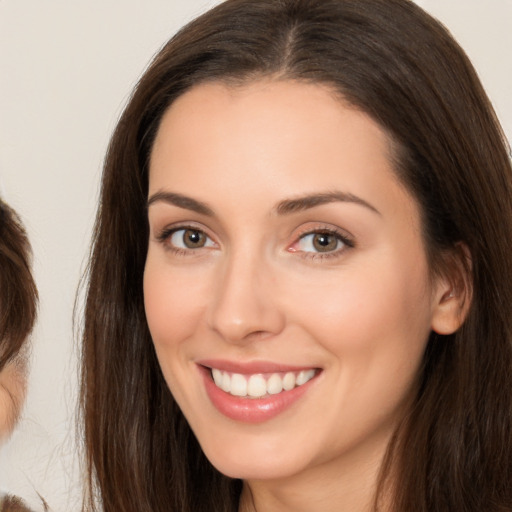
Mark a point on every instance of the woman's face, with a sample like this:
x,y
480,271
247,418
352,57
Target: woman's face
x,y
286,285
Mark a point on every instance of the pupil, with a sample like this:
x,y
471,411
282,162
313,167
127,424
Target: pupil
x,y
194,239
324,242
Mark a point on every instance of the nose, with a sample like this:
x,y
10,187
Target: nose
x,y
245,306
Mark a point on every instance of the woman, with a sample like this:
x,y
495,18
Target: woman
x,y
300,285
18,301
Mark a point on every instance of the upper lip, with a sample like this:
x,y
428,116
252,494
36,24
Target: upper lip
x,y
251,367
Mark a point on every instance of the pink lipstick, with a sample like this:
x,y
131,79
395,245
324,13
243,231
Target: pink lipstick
x,y
254,392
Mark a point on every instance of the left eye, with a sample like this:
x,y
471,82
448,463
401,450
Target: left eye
x,y
190,239
320,242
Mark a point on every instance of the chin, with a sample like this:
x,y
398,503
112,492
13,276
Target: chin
x,y
251,470
262,461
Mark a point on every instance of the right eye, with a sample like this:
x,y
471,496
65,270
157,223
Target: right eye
x,y
188,238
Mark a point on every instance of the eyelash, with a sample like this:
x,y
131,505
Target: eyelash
x,y
165,235
348,243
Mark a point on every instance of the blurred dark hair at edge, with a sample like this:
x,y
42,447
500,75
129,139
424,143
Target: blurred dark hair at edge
x,y
18,293
18,307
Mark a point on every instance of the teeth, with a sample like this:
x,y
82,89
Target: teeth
x,y
304,376
226,383
275,384
289,381
238,385
257,386
217,377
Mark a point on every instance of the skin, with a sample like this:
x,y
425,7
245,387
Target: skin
x,y
12,394
258,290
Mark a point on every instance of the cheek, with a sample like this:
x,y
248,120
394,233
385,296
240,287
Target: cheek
x,y
172,302
381,309
173,312
374,326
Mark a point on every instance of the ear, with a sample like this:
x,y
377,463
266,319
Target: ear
x,y
453,291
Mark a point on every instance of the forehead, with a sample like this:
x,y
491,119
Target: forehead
x,y
267,119
275,101
270,140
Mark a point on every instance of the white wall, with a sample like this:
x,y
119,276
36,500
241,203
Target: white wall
x,y
66,69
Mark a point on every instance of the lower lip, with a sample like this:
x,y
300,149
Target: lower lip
x,y
251,410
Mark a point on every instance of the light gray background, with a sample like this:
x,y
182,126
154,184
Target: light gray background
x,y
66,70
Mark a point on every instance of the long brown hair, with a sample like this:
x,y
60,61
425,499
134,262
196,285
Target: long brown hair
x,y
18,293
391,60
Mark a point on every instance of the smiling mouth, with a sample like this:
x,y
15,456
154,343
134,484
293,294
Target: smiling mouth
x,y
260,385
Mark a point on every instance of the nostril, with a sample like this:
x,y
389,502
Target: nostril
x,y
257,335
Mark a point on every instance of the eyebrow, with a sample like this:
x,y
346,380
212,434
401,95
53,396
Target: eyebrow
x,y
306,202
285,207
181,201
